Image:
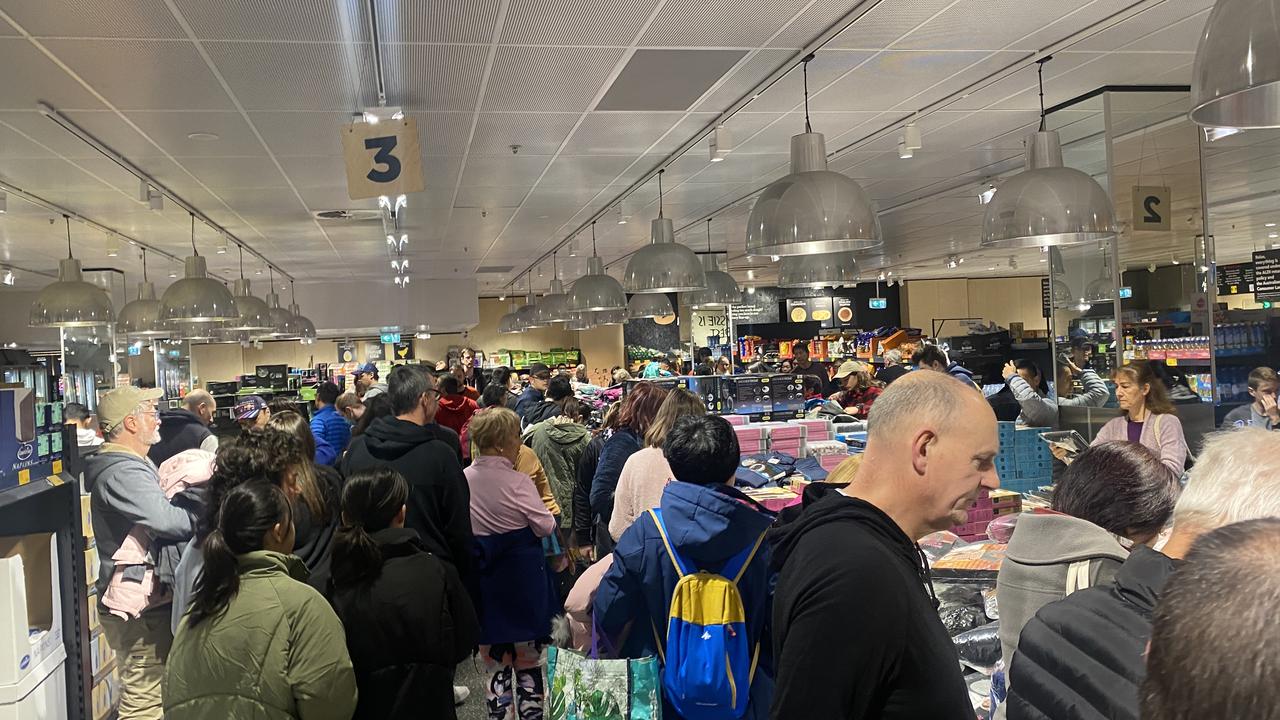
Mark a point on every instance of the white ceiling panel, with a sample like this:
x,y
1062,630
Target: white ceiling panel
x,y
135,19
575,22
520,170
231,172
967,24
438,21
590,171
434,77
41,80
535,133
615,133
293,76
728,23
144,74
827,66
892,77
477,196
884,24
14,144
533,78
281,20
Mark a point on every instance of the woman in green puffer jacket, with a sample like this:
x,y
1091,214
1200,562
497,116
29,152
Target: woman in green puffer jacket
x,y
257,643
559,443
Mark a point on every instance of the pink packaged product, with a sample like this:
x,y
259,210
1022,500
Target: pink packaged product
x,y
752,447
749,432
783,431
736,419
815,429
831,462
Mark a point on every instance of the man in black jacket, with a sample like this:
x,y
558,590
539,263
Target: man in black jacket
x,y
536,392
856,630
1082,658
185,428
439,501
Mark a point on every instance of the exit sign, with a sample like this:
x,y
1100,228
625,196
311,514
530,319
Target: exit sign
x,y
1126,292
390,337
878,304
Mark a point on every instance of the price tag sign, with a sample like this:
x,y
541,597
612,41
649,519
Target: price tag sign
x,y
1151,208
383,158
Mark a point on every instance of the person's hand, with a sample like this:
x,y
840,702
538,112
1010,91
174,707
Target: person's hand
x,y
1075,369
587,552
1269,407
1009,370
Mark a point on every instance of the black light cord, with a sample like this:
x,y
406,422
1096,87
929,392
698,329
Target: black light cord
x,y
194,251
708,234
1040,77
660,191
804,66
593,239
144,264
67,218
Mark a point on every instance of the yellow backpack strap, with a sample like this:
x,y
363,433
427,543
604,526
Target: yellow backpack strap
x,y
662,533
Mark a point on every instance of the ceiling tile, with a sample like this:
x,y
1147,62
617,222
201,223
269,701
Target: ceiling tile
x,y
438,21
620,133
788,92
144,74
594,171
231,172
432,77
472,196
730,23
306,76
287,20
134,19
532,78
535,133
884,24
575,22
519,170
40,80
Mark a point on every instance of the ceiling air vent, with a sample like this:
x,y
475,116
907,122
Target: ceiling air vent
x,y
348,215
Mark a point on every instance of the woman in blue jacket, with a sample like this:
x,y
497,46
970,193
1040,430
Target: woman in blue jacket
x,y
708,522
635,416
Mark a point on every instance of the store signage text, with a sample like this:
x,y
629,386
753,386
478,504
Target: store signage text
x,y
1151,208
383,158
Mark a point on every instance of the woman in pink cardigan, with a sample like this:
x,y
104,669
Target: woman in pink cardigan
x,y
1148,417
646,472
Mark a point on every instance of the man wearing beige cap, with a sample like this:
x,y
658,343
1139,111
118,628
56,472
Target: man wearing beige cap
x,y
126,493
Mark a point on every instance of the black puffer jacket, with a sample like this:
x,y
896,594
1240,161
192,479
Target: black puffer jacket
x,y
439,500
1081,658
406,631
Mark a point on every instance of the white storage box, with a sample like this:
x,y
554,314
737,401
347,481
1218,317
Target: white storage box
x,y
32,680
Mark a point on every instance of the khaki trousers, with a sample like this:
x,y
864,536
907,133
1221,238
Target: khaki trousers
x,y
142,647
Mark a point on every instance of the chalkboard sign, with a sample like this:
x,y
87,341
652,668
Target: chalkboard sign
x,y
758,307
1046,298
1266,275
1236,279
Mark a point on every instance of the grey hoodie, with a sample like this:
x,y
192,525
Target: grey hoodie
x,y
1037,562
125,491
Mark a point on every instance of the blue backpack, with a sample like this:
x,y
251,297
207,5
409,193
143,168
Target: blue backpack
x,y
708,662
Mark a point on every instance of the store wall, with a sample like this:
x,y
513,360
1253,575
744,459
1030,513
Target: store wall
x,y
601,349
222,363
999,300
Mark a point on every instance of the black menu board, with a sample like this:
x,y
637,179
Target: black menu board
x,y
1235,279
1046,298
1266,275
811,309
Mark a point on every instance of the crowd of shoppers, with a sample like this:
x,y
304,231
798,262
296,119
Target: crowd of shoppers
x,y
306,587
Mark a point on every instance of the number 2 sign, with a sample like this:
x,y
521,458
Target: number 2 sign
x,y
1151,210
382,158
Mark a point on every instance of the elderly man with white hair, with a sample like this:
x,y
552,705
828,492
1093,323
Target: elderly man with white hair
x,y
1083,657
125,490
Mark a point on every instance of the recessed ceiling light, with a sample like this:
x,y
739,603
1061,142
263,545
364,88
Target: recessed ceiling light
x,y
1273,235
202,136
1270,225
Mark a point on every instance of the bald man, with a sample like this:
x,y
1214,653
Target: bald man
x,y
856,630
186,428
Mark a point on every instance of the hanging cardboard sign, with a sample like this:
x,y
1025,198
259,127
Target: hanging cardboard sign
x,y
1151,208
346,353
374,351
403,350
383,158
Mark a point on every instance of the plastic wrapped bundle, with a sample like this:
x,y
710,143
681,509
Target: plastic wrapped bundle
x,y
979,648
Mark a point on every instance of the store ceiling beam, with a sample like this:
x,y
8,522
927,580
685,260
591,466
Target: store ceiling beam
x,y
108,152
60,210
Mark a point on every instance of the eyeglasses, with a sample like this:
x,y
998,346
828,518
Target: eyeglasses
x,y
437,393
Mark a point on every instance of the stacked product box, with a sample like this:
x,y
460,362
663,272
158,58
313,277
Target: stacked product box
x,y
785,438
104,670
816,429
752,439
989,506
1024,462
829,453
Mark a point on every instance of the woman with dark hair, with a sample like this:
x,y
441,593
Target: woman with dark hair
x,y
509,381
1114,496
258,455
584,528
1030,388
646,473
404,653
558,443
638,410
316,516
257,642
375,407
1147,417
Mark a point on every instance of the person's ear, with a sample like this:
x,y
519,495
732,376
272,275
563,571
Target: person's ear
x,y
280,532
400,516
921,446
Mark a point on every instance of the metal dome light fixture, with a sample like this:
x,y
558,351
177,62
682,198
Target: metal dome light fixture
x,y
722,290
1236,76
663,265
818,271
648,305
70,301
197,299
1047,204
141,317
596,290
813,209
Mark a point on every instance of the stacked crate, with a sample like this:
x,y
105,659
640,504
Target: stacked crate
x,y
1024,462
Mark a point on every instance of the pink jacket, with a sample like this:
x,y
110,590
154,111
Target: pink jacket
x,y
1161,433
577,607
503,500
639,488
128,598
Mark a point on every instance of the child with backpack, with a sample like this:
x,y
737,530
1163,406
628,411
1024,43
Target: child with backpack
x,y
704,547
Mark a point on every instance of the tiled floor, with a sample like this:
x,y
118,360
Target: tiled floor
x,y
471,674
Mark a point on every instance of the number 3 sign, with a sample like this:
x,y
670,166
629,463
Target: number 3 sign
x,y
383,158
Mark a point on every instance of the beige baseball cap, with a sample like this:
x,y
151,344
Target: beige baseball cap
x,y
849,367
115,406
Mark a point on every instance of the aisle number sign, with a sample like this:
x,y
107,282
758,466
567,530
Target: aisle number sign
x,y
1151,209
383,158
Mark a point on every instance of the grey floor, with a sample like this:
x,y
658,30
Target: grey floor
x,y
471,674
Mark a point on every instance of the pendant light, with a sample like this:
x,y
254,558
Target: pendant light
x,y
609,317
1236,76
722,290
663,265
818,271
554,306
197,299
299,325
596,290
506,324
1103,288
1061,291
648,305
1047,204
255,316
70,302
811,210
141,317
581,321
528,313
280,325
